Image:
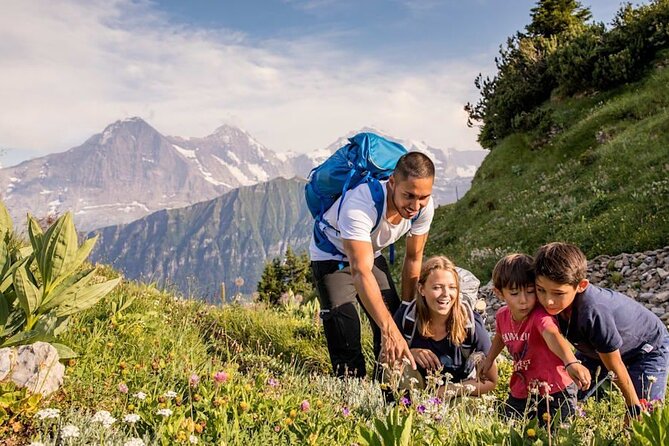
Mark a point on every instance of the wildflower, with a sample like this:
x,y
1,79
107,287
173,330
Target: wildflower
x,y
546,417
134,442
469,388
652,379
220,377
319,404
170,394
272,382
194,380
192,439
140,396
531,433
131,418
305,406
405,360
405,401
123,388
48,414
277,428
420,409
288,421
164,412
438,417
345,411
435,401
243,406
69,431
103,417
413,381
293,413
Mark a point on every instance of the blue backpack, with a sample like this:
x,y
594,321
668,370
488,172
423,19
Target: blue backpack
x,y
367,158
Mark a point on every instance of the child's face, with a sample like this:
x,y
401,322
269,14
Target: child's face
x,y
440,291
557,297
520,300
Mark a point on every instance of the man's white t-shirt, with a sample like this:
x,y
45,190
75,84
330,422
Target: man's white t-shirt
x,y
357,218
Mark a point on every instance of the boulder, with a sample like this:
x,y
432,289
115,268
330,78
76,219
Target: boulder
x,y
35,367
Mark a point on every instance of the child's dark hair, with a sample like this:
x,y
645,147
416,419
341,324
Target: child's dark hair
x,y
513,271
561,262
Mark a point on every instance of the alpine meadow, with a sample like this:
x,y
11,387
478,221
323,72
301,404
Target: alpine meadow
x,y
576,124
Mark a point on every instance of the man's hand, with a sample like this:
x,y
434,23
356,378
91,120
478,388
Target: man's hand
x,y
426,358
394,347
580,375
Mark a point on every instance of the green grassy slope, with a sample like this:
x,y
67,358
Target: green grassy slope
x,y
601,181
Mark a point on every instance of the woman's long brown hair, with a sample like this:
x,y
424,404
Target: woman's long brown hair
x,y
458,317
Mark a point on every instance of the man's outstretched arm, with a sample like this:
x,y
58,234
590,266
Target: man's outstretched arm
x,y
413,261
361,259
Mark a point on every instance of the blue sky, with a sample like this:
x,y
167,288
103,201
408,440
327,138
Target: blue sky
x,y
296,74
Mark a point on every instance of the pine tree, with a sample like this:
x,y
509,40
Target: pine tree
x,y
551,17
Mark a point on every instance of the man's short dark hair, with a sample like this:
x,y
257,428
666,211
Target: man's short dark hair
x,y
562,263
415,165
513,271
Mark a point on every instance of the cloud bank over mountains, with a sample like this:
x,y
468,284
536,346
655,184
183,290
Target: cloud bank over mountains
x,y
71,67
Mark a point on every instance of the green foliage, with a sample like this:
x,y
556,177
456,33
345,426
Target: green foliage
x,y
553,17
653,428
16,405
562,54
283,277
41,287
606,194
392,430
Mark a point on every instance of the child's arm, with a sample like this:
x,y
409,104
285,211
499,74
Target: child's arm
x,y
561,348
483,368
614,363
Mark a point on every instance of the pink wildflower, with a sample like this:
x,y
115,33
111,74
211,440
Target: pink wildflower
x,y
123,388
220,377
304,407
194,380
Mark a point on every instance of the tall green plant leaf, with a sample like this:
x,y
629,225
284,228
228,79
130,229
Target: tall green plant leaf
x,y
86,298
4,310
6,224
28,294
67,290
21,338
35,233
58,251
5,260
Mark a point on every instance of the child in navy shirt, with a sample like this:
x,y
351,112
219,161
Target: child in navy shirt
x,y
609,329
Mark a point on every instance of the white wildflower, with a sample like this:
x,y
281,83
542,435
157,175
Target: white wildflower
x,y
103,417
170,394
140,395
652,379
413,381
134,442
164,412
48,414
192,439
469,388
131,418
69,431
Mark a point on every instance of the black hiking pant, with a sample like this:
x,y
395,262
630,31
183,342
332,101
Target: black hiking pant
x,y
337,296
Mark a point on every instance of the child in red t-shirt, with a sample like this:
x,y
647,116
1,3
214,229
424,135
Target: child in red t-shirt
x,y
543,362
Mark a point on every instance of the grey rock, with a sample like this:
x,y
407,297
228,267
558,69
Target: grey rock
x,y
37,368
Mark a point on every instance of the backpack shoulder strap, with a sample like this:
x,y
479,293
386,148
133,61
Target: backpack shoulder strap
x,y
409,320
378,197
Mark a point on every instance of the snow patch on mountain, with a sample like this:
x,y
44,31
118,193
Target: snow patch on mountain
x,y
185,152
466,171
259,172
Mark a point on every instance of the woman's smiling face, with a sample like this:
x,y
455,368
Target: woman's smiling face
x,y
440,291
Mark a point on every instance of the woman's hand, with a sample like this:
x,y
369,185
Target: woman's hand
x,y
426,358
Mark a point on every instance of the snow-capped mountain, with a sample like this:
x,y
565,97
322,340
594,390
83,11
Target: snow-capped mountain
x,y
130,170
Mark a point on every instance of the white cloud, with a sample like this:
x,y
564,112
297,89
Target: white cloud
x,y
70,68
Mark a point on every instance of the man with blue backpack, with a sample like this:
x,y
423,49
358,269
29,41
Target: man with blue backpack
x,y
364,198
